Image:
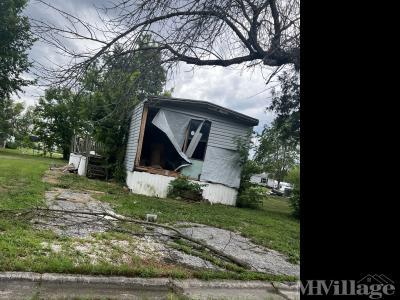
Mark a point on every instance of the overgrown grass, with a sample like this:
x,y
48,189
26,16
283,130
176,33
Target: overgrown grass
x,y
21,246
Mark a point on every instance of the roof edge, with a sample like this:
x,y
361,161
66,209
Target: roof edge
x,y
218,108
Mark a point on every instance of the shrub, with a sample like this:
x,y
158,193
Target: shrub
x,y
11,145
184,188
294,178
251,197
119,172
295,202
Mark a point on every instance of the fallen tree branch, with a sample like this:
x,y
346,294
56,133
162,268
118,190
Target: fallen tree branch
x,y
177,233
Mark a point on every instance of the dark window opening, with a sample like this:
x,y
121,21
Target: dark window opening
x,y
200,150
263,180
158,152
157,149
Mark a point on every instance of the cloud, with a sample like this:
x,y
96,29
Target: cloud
x,y
241,90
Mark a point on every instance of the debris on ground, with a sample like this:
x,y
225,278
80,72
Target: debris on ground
x,y
54,173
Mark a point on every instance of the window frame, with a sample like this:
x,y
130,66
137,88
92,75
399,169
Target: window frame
x,y
187,142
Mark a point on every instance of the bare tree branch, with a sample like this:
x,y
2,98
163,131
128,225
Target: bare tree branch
x,y
198,32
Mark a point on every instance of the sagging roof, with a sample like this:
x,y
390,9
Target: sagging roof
x,y
205,105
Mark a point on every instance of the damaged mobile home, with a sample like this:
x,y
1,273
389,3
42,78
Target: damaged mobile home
x,y
169,137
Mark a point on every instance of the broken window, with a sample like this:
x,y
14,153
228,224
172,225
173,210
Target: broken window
x,y
172,141
196,139
158,151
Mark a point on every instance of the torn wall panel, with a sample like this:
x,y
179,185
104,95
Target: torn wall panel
x,y
224,131
133,137
174,126
221,166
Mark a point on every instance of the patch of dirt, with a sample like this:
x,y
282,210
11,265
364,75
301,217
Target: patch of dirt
x,y
55,172
52,176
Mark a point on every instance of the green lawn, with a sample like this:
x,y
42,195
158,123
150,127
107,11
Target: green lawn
x,y
21,246
20,179
30,151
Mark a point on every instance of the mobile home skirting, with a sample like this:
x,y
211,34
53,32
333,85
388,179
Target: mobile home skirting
x,y
157,186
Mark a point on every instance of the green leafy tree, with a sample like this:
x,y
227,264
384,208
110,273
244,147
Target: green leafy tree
x,y
15,40
286,104
23,129
276,153
294,178
57,118
249,196
111,93
9,114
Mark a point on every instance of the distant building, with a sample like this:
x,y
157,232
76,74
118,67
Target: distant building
x,y
264,180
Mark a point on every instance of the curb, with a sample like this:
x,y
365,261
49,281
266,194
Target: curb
x,y
86,279
184,286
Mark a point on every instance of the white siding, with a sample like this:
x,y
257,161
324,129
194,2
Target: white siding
x,y
157,186
133,137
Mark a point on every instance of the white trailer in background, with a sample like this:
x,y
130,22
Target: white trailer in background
x,y
262,179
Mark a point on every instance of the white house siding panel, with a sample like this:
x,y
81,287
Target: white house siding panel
x,y
157,186
133,137
148,184
221,166
219,193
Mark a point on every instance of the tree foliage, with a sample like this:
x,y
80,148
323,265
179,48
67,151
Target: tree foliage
x,y
248,195
286,104
15,40
10,112
102,105
57,117
111,93
276,154
294,178
23,128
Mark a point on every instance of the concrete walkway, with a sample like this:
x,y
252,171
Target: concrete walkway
x,y
26,285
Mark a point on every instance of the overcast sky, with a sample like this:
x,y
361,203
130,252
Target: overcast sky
x,y
241,90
